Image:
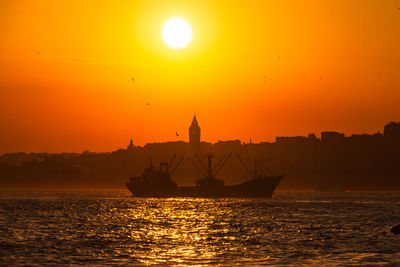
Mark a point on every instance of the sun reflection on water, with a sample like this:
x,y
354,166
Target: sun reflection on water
x,y
79,229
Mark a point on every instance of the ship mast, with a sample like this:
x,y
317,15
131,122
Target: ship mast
x,y
209,171
257,168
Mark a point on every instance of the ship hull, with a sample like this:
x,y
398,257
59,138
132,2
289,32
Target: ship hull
x,y
259,188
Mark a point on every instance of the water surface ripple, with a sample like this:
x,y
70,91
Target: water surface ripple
x,y
104,228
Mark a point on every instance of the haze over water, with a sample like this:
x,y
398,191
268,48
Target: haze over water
x,y
62,228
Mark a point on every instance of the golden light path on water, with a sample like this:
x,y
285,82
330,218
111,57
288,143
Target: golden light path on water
x,y
106,228
184,229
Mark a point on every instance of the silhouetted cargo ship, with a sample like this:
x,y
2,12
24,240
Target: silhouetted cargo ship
x,y
153,183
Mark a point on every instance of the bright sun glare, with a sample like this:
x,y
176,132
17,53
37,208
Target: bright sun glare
x,y
177,33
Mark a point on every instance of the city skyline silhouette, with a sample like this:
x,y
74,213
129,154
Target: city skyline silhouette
x,y
283,69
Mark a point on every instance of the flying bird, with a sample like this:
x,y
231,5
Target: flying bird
x,y
177,134
148,104
133,79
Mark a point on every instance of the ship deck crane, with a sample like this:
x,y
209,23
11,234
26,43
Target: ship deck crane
x,y
210,172
245,166
219,162
176,165
222,164
254,174
201,162
197,167
171,162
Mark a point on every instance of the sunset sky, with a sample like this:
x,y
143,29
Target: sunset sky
x,y
66,70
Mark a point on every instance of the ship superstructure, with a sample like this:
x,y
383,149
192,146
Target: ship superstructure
x,y
154,182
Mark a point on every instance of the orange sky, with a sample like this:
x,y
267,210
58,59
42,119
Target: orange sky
x,y
66,70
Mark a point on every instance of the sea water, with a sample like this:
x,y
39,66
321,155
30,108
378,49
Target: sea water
x,y
106,228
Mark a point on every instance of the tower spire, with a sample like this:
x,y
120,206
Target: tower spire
x,y
131,145
194,121
194,134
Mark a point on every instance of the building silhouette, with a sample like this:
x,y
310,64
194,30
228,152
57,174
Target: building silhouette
x,y
392,133
194,135
131,146
332,137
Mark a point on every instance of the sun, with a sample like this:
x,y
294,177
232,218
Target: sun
x,y
177,33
